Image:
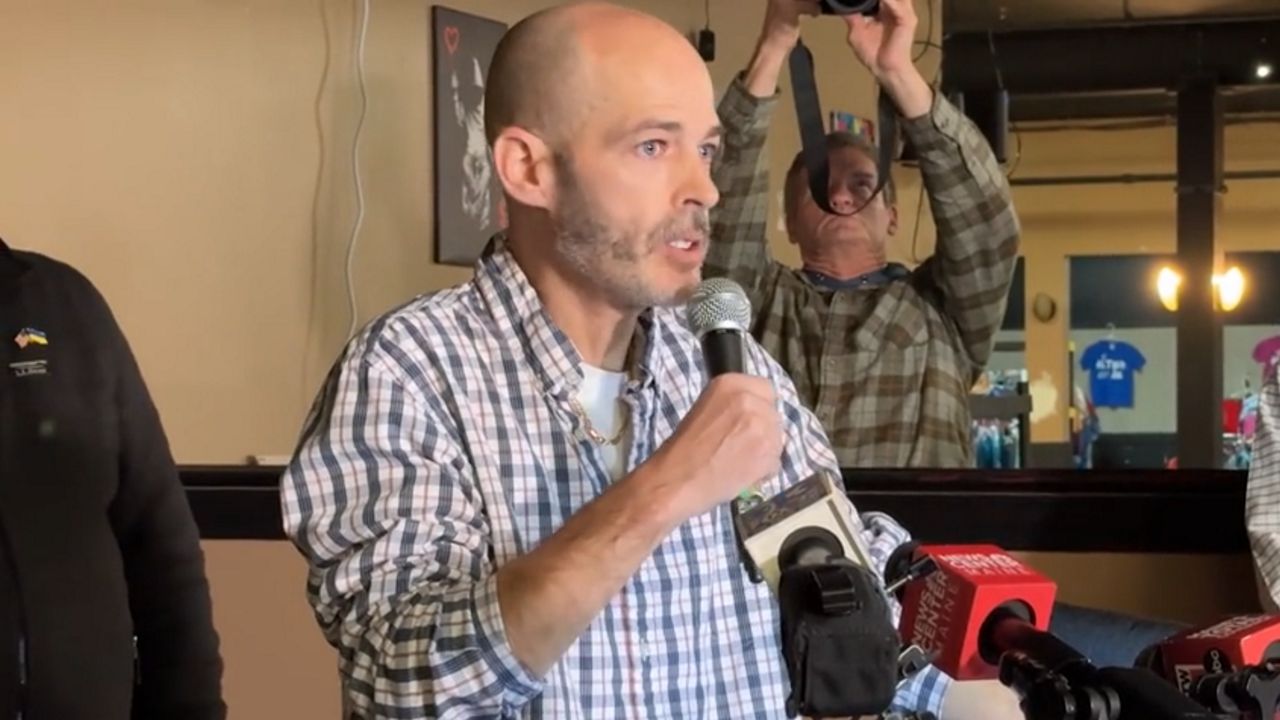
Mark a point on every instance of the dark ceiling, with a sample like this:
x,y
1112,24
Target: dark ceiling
x,y
1065,59
982,15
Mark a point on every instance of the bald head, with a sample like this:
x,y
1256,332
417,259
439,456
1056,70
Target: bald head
x,y
552,67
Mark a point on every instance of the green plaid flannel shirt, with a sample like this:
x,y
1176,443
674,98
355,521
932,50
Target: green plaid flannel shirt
x,y
887,369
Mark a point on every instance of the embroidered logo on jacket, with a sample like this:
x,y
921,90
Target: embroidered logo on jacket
x,y
27,369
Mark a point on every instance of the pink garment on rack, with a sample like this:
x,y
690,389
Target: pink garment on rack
x,y
1267,354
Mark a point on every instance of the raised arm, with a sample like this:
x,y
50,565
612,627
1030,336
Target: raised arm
x,y
978,230
739,231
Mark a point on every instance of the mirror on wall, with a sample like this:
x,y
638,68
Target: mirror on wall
x,y
1123,349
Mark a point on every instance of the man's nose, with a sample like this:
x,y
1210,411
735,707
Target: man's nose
x,y
841,198
697,186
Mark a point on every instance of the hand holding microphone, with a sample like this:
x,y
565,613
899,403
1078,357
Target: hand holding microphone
x,y
730,441
732,438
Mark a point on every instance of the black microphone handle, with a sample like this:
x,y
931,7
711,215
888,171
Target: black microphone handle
x,y
1147,696
723,352
1007,629
1143,695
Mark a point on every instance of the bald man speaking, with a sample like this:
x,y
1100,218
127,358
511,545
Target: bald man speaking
x,y
512,493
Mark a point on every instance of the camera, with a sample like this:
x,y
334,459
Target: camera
x,y
850,7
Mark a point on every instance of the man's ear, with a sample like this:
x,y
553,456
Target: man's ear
x,y
893,219
525,166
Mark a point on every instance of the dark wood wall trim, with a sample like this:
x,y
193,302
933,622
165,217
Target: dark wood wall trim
x,y
1142,511
235,502
1171,511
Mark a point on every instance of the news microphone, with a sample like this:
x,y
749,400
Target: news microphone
x,y
944,613
1230,666
839,645
1228,645
1143,695
986,615
719,314
774,530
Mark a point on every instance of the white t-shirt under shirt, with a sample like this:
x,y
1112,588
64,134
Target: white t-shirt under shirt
x,y
601,398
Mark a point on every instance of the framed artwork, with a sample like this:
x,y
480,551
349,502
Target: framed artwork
x,y
468,197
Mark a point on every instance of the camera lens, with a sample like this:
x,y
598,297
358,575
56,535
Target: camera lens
x,y
850,7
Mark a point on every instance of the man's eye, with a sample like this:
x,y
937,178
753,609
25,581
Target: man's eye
x,y
652,148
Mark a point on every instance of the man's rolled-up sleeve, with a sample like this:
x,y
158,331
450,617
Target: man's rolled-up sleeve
x,y
739,248
381,501
979,232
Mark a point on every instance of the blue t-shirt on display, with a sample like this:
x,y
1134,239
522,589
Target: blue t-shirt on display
x,y
1111,365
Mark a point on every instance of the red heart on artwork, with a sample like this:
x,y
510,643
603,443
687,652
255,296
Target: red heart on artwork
x,y
451,38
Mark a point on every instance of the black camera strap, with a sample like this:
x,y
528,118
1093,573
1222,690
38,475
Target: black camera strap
x,y
813,134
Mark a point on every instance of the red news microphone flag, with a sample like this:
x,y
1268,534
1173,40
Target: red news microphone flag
x,y
945,611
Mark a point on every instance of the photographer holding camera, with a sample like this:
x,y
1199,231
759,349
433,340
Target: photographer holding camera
x,y
885,356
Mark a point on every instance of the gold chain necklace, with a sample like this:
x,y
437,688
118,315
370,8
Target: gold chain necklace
x,y
595,435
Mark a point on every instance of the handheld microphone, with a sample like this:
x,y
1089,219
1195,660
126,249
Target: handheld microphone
x,y
719,313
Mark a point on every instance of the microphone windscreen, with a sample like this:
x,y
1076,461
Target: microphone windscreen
x,y
718,304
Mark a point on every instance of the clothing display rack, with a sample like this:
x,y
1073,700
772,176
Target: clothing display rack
x,y
1003,409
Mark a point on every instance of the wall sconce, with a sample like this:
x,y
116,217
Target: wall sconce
x,y
1167,284
1228,288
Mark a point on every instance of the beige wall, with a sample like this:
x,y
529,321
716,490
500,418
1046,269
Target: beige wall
x,y
276,663
1190,589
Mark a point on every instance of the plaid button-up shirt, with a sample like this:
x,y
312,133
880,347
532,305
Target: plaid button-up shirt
x,y
887,368
1262,499
445,444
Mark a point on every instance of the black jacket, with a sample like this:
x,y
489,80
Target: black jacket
x,y
97,543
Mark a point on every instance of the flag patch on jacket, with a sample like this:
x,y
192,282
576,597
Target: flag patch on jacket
x,y
31,336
